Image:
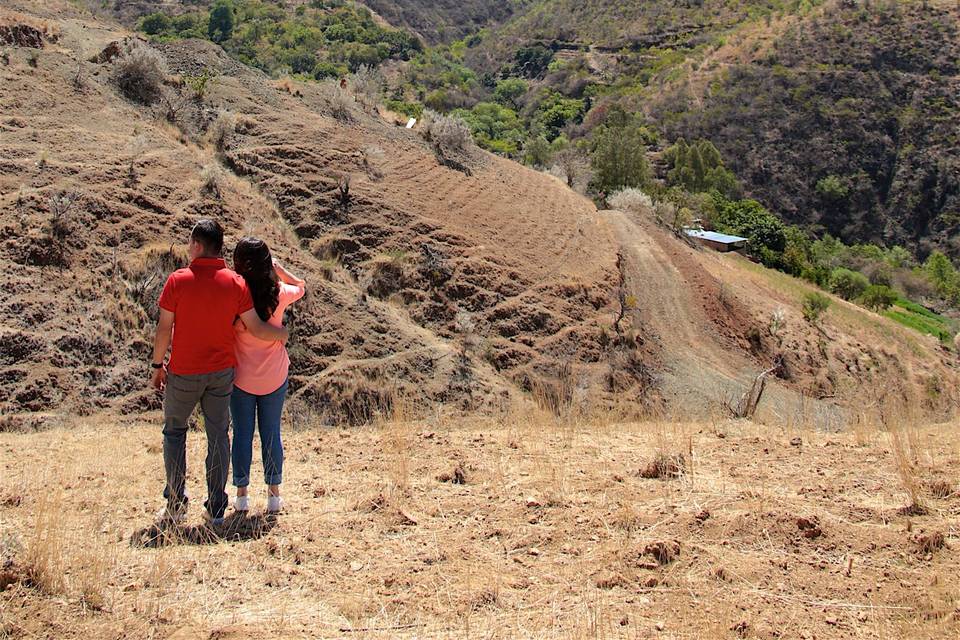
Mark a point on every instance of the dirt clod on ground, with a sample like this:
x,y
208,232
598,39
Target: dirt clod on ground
x,y
664,552
664,466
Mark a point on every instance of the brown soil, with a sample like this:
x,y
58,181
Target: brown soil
x,y
552,534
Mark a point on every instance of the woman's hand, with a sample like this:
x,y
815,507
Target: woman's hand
x,y
287,277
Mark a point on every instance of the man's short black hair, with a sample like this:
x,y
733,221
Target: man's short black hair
x,y
209,234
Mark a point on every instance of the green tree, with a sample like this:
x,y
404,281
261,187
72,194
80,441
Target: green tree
x,y
748,218
532,62
619,153
942,274
554,112
878,297
833,189
848,284
156,24
536,152
796,253
220,26
698,167
509,90
494,126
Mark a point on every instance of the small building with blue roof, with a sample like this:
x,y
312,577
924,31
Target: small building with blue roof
x,y
718,241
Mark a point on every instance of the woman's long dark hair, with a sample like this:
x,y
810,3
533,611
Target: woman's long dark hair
x,y
252,260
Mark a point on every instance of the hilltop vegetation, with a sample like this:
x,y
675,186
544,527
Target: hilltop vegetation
x,y
318,39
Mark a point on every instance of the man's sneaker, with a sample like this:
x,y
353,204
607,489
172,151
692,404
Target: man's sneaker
x,y
172,515
242,503
274,504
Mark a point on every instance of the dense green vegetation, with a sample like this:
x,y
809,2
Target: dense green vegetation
x,y
319,39
848,124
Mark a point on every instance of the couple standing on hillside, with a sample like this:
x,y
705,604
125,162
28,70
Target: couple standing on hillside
x,y
228,355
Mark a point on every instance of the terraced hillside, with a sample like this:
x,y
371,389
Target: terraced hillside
x,y
456,282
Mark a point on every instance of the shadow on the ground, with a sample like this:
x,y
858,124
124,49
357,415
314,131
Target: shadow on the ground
x,y
237,527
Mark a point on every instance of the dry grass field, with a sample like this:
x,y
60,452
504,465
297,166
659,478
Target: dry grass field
x,y
518,526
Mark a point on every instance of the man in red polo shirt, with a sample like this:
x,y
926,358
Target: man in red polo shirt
x,y
198,307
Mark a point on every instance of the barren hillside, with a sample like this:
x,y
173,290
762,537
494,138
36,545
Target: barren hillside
x,y
460,280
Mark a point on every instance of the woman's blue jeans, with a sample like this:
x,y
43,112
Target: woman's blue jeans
x,y
247,409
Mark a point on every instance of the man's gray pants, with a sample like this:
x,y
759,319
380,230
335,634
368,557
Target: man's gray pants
x,y
212,391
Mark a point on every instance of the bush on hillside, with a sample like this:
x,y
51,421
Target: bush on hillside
x,y
698,167
341,102
748,218
848,284
619,153
447,132
367,84
140,73
632,200
878,297
222,130
495,127
814,305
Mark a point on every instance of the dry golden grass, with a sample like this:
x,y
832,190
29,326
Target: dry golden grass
x,y
523,526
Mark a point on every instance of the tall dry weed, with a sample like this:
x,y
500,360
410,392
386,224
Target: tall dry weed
x,y
44,560
900,416
396,436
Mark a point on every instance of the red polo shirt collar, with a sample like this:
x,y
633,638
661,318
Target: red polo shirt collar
x,y
219,263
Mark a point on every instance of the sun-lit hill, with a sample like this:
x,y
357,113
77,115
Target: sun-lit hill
x,y
860,94
511,413
458,279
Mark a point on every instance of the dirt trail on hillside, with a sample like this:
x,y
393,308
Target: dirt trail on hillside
x,y
671,291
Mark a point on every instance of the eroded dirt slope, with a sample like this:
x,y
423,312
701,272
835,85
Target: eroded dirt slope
x,y
451,280
456,285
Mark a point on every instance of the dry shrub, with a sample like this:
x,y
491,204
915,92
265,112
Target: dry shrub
x,y
222,130
355,399
289,86
212,181
388,274
91,573
367,85
140,74
664,466
395,437
939,488
557,395
457,475
341,103
327,268
144,275
930,542
664,552
373,159
632,200
447,132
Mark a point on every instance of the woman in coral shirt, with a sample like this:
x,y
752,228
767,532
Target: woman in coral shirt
x,y
260,384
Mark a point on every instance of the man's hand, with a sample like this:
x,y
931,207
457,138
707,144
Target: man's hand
x,y
161,342
159,379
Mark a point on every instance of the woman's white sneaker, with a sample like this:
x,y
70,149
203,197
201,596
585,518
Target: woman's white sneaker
x,y
274,504
242,503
